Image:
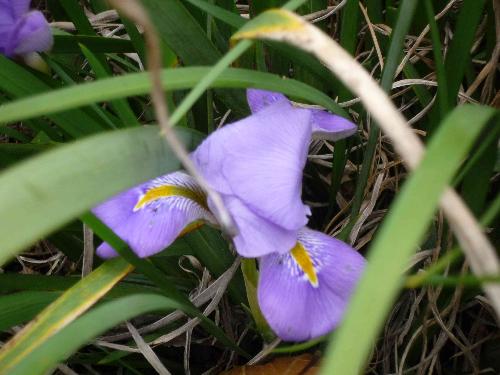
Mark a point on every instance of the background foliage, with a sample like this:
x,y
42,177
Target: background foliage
x,y
71,138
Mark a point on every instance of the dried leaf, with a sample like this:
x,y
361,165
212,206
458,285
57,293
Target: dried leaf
x,y
304,364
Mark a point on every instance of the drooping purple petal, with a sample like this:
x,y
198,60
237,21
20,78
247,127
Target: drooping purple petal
x,y
22,32
296,308
332,127
33,34
324,124
259,99
14,8
259,160
8,20
149,217
10,12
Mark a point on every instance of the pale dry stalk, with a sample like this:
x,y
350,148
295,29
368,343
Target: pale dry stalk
x,y
147,352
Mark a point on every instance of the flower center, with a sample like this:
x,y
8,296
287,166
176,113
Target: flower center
x,y
166,191
302,258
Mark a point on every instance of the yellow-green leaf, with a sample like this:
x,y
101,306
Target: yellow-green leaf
x,y
72,304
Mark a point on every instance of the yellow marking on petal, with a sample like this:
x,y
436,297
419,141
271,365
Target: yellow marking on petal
x,y
165,191
191,227
299,253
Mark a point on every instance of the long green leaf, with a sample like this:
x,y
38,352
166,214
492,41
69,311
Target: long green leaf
x,y
103,317
222,14
41,194
399,237
139,84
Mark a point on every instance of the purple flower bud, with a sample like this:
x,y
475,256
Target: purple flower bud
x,y
22,31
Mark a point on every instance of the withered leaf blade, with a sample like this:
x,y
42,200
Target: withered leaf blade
x,y
304,364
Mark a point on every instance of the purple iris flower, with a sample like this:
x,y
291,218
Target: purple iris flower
x,y
303,293
256,165
22,31
306,277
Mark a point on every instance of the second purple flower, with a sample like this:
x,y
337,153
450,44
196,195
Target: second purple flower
x,y
22,31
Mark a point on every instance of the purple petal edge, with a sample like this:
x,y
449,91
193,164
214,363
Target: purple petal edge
x,y
259,99
332,127
33,35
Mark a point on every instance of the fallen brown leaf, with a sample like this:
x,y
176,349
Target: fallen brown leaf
x,y
304,364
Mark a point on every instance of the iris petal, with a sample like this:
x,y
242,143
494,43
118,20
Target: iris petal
x,y
14,8
324,124
259,160
260,99
10,12
149,222
256,235
22,32
332,127
33,34
296,309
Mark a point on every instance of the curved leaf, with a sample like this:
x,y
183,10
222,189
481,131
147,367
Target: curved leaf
x,y
139,84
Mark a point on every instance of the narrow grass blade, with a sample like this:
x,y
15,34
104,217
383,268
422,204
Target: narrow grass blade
x,y
77,15
121,106
349,35
220,13
172,79
442,96
459,51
